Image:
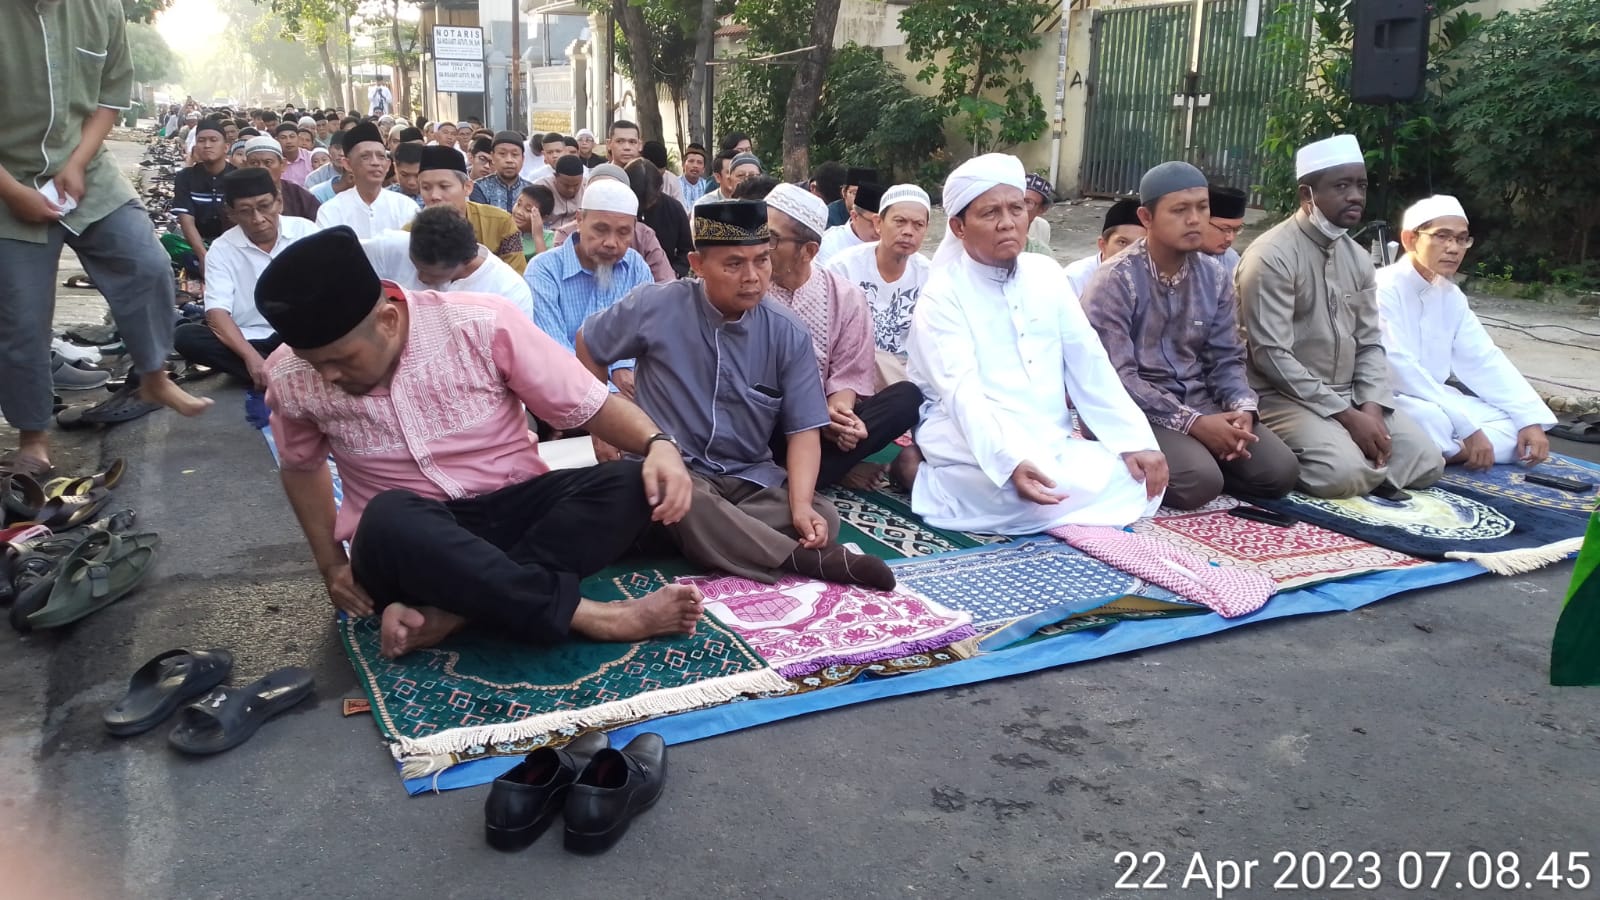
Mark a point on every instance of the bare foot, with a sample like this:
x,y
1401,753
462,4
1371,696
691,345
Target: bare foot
x,y
32,453
675,609
863,476
407,628
903,470
158,387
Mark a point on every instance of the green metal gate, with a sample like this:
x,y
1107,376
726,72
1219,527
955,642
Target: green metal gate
x,y
1138,87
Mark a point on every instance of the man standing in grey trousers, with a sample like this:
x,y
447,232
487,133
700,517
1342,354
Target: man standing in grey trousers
x,y
68,76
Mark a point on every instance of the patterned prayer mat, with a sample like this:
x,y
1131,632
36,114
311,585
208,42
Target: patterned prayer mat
x,y
882,524
1508,490
1439,523
1293,557
799,625
475,695
1024,580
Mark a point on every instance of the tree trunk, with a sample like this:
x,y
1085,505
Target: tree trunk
x,y
677,90
703,44
807,91
329,70
640,50
402,75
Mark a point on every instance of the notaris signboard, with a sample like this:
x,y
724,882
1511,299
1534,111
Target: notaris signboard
x,y
458,59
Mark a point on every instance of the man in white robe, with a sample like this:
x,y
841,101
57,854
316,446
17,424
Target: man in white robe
x,y
1121,230
997,347
1430,334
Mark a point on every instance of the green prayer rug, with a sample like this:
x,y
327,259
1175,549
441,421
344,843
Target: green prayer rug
x,y
882,525
475,695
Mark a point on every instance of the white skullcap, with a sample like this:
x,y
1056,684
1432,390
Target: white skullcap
x,y
968,182
1339,150
905,193
1436,207
609,196
307,122
800,205
262,142
585,133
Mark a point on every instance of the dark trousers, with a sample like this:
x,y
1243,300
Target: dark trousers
x,y
887,414
509,561
196,342
1197,477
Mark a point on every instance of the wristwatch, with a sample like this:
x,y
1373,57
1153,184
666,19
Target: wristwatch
x,y
660,436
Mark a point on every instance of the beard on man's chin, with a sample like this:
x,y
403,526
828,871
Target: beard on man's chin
x,y
604,275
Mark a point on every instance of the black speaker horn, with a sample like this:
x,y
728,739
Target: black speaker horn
x,y
1390,57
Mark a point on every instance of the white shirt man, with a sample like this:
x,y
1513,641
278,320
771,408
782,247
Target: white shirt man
x,y
861,229
998,348
1430,334
891,273
390,255
1120,230
390,211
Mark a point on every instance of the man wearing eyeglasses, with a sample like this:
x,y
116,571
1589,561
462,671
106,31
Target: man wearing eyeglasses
x,y
369,210
1430,335
1222,229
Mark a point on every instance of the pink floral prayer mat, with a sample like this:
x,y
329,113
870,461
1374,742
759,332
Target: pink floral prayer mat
x,y
1293,557
1230,591
800,626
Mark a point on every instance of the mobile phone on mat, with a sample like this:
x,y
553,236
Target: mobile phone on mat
x,y
1267,516
1575,485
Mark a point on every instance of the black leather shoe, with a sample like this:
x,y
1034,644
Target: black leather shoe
x,y
523,802
616,786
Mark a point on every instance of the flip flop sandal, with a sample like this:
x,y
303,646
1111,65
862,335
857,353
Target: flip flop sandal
x,y
88,582
1583,429
228,716
21,497
31,466
79,283
70,511
79,486
35,574
122,407
162,685
92,335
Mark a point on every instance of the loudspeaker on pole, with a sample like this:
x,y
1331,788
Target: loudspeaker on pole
x,y
1390,51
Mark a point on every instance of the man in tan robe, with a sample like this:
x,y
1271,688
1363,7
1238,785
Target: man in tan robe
x,y
1308,305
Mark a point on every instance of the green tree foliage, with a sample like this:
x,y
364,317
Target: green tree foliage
x,y
976,51
1317,104
1526,124
153,61
144,10
869,117
752,97
669,40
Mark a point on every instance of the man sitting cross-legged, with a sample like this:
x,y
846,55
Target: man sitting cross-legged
x,y
998,346
234,337
723,367
1165,311
452,516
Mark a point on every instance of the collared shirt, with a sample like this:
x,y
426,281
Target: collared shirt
x,y
838,213
713,194
450,423
1308,306
1229,259
60,64
1430,335
533,164
388,212
296,172
645,242
390,255
891,302
198,193
233,267
298,202
565,211
324,192
836,240
835,312
693,190
415,198
1080,272
324,172
721,388
495,192
565,293
1174,341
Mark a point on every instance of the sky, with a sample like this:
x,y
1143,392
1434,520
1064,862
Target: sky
x,y
188,23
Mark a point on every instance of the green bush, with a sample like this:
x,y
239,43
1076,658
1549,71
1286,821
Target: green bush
x,y
868,117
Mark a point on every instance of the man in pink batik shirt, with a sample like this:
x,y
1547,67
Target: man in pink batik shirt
x,y
451,515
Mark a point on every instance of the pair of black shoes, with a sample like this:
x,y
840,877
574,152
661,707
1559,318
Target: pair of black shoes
x,y
598,787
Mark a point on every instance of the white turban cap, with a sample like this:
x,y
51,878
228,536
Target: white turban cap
x,y
968,182
1424,211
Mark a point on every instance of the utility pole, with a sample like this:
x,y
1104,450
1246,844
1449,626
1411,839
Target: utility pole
x,y
350,67
518,116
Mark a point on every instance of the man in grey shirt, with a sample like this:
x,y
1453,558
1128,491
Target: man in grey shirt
x,y
722,367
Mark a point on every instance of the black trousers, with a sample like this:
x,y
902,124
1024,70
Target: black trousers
x,y
197,343
509,561
887,414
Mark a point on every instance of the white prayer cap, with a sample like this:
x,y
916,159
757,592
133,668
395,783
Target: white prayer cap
x,y
262,142
307,122
585,133
609,196
1424,211
968,182
800,205
905,193
1339,150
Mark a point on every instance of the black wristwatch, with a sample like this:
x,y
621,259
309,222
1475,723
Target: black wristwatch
x,y
660,436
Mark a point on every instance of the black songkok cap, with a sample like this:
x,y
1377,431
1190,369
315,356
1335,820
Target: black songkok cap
x,y
482,145
210,125
569,165
1228,203
1122,212
507,137
361,134
408,135
733,223
869,196
318,289
438,157
247,182
855,177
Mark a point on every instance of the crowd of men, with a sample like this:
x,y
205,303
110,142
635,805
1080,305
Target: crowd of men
x,y
732,343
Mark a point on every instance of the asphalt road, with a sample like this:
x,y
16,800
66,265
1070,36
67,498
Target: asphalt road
x,y
1422,723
